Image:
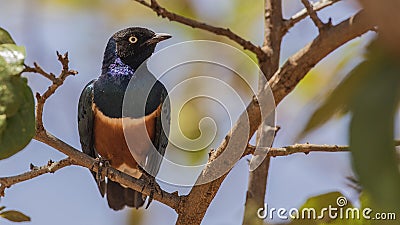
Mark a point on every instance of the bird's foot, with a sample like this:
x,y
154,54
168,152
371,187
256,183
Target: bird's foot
x,y
151,183
101,164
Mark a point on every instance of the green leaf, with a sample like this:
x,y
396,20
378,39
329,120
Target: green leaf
x,y
5,37
372,128
15,216
2,207
10,97
11,59
19,128
17,118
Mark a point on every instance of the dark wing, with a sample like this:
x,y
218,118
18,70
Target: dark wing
x,y
85,126
154,159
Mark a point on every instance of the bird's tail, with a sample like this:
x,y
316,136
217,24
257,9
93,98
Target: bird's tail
x,y
118,196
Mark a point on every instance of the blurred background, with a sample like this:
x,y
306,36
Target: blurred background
x,y
82,27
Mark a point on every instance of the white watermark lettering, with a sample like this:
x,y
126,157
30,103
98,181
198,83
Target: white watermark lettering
x,y
337,211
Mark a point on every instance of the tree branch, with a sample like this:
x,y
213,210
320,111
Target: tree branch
x,y
57,82
257,183
272,38
51,167
164,13
313,15
194,205
302,148
299,148
299,64
302,14
81,159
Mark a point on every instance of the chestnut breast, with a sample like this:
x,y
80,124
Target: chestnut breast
x,y
110,143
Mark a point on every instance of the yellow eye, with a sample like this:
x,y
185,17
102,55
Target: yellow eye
x,y
133,39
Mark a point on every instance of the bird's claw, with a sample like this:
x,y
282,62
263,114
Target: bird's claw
x,y
152,184
101,164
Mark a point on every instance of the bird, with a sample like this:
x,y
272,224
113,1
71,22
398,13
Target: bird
x,y
100,114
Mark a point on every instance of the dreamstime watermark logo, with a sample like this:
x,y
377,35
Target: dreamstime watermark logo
x,y
339,211
209,86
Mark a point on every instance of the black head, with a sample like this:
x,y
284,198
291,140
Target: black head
x,y
135,44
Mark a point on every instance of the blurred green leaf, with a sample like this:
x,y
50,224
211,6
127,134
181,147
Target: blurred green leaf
x,y
76,4
338,101
371,92
320,81
312,84
351,51
5,37
135,217
182,7
17,118
372,127
15,216
2,207
365,200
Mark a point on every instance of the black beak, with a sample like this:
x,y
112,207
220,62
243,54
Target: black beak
x,y
157,38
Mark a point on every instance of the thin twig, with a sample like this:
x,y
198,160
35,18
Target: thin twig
x,y
56,83
303,148
298,148
50,167
313,15
302,14
37,69
251,148
164,13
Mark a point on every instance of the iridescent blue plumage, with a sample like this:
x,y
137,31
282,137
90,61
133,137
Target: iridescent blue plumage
x,y
112,64
112,83
120,69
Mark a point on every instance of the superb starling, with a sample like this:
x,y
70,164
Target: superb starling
x,y
100,113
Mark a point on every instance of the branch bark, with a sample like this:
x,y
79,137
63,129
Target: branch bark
x,y
300,148
51,167
272,46
302,14
78,158
313,15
